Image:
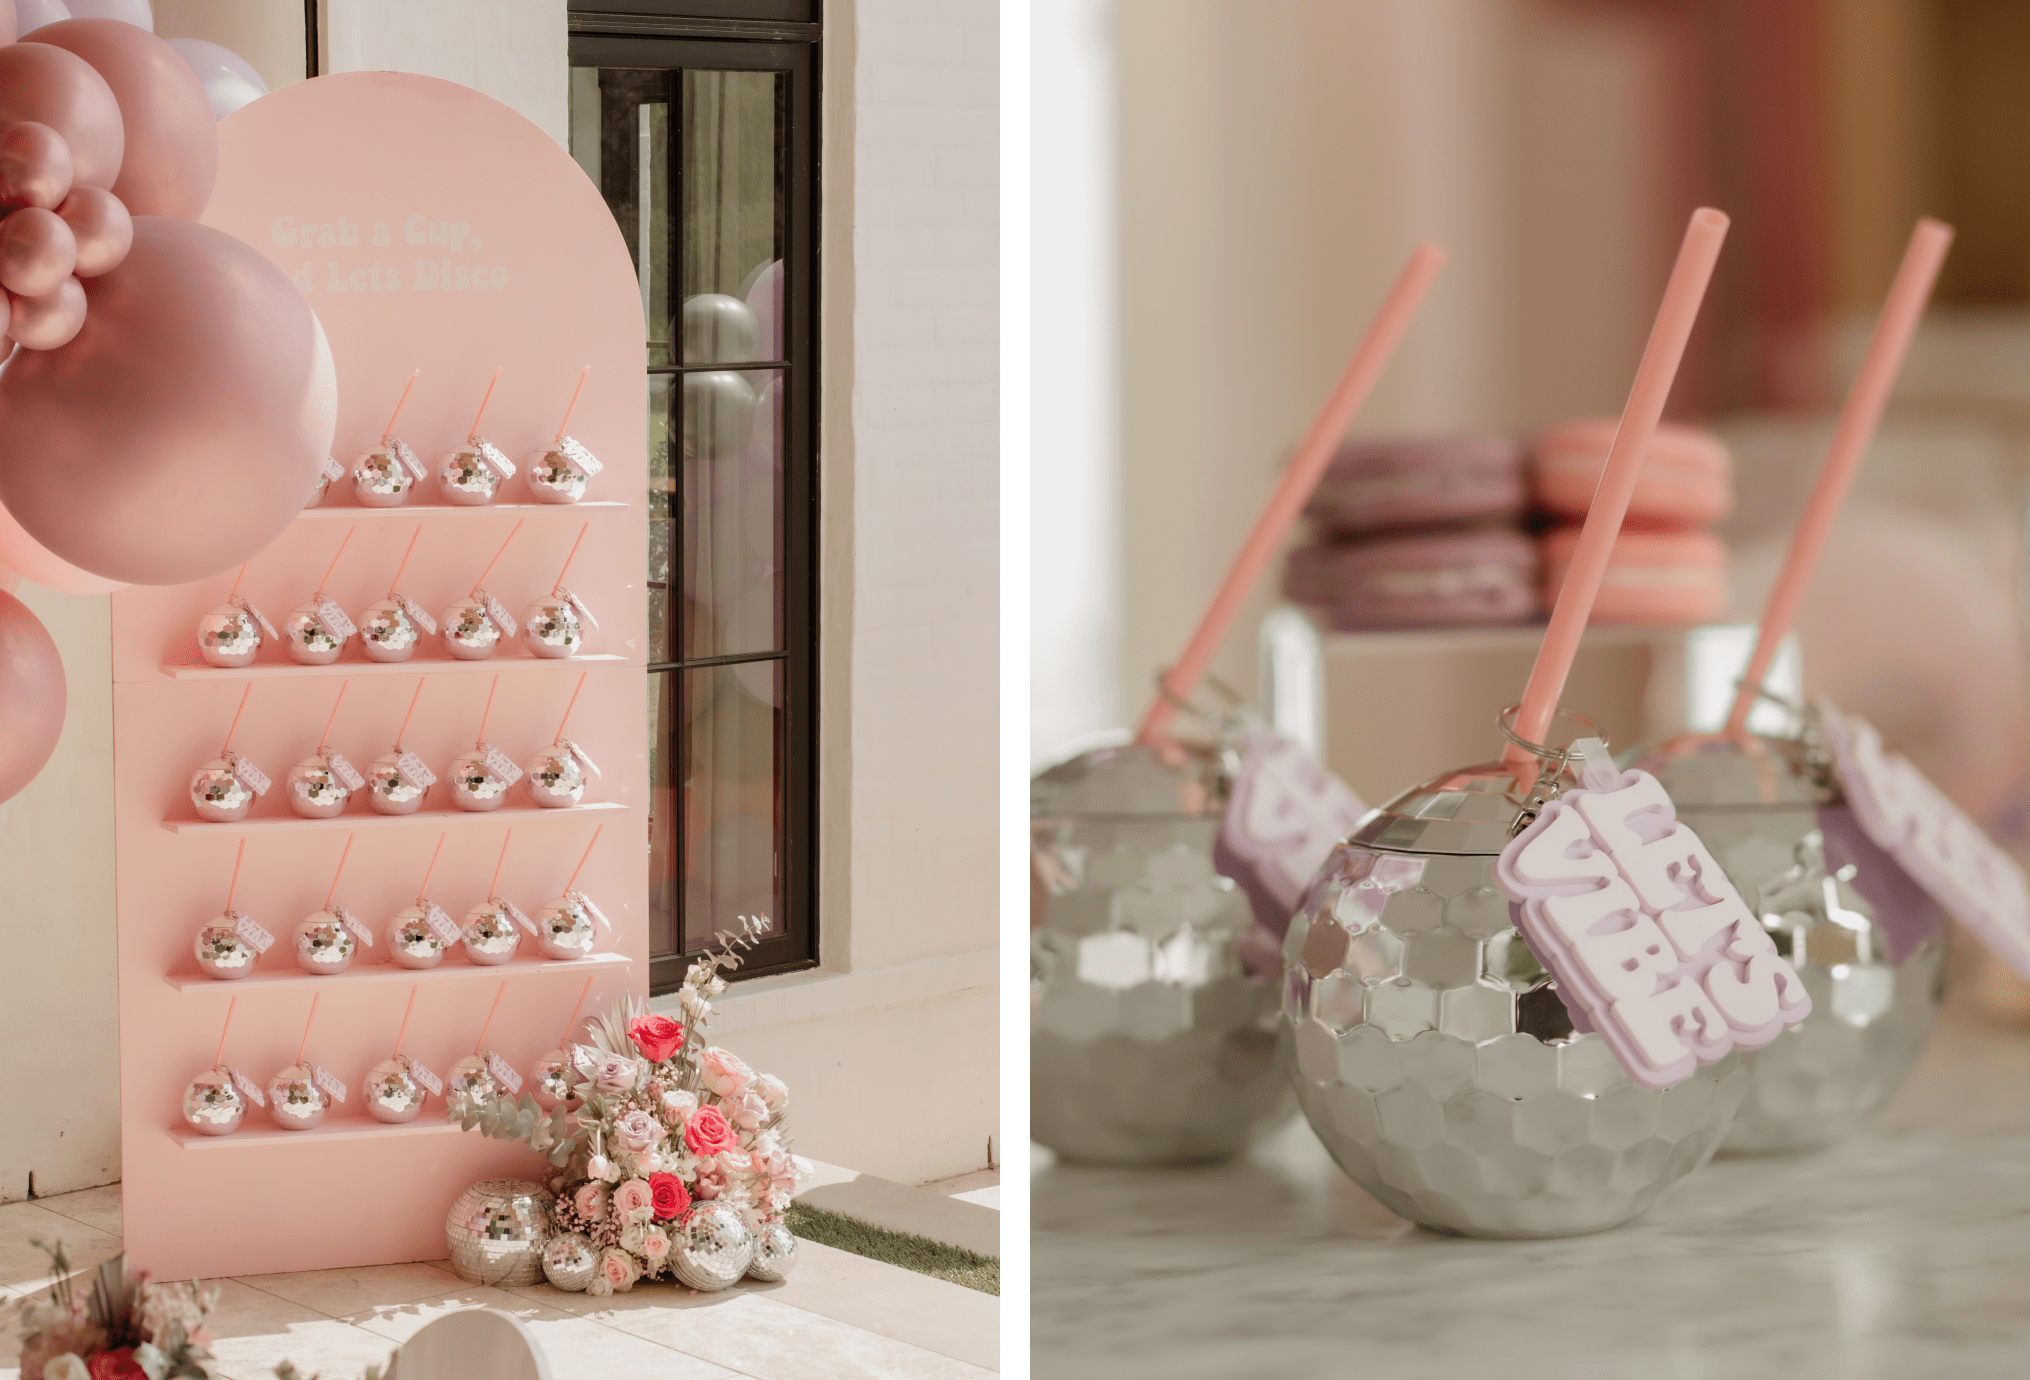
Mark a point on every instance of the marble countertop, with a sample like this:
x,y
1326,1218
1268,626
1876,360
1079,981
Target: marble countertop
x,y
1904,1253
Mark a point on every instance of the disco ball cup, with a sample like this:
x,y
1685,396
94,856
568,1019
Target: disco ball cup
x,y
379,480
1148,1043
554,479
1867,940
712,1248
308,641
392,1093
469,635
217,795
465,479
295,1101
390,792
314,790
386,632
550,628
1434,1056
564,928
228,636
569,1262
550,1082
221,953
469,1076
556,781
411,941
489,934
212,1106
474,785
774,1253
324,945
496,1231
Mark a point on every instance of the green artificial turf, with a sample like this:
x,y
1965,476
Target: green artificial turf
x,y
918,1253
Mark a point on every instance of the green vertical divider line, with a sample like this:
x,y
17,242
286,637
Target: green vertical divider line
x,y
1016,688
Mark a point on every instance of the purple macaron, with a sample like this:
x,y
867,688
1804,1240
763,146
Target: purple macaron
x,y
1438,579
1377,483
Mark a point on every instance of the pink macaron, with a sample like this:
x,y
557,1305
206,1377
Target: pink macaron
x,y
1687,475
1664,579
1374,484
1440,579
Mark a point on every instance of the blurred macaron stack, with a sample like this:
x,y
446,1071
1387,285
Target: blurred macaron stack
x,y
1419,532
1667,568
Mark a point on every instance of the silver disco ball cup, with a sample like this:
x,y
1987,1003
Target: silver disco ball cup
x,y
1148,1042
218,795
392,1093
553,478
550,1082
386,632
564,928
556,780
496,1231
1866,939
490,934
712,1249
307,640
469,1076
314,790
380,480
469,635
295,1101
551,628
411,941
324,945
466,479
474,785
1434,1057
212,1106
228,636
221,953
390,792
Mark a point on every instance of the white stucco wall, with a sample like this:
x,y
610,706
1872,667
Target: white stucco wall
x,y
516,51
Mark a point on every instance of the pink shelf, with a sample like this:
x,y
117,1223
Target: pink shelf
x,y
355,511
286,975
429,1122
366,819
360,666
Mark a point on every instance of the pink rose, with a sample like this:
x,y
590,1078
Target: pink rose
x,y
637,1130
724,1073
116,1365
709,1183
632,1196
671,1198
615,1073
655,1246
707,1132
678,1105
657,1037
772,1090
590,1202
618,1269
747,1111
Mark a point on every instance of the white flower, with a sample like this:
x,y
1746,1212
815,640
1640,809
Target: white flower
x,y
599,1288
599,1167
803,1168
65,1367
774,1092
633,1237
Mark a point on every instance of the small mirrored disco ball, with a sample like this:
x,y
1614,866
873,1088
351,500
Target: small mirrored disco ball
x,y
496,1231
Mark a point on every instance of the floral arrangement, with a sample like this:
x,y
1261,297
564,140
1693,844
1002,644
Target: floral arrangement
x,y
125,1328
659,1121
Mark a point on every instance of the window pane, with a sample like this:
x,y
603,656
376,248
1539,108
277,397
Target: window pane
x,y
620,135
732,782
664,802
733,519
662,513
734,162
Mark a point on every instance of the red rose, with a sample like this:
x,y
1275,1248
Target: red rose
x,y
116,1365
670,1197
657,1037
708,1132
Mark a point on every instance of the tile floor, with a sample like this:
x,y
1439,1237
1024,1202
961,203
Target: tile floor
x,y
839,1317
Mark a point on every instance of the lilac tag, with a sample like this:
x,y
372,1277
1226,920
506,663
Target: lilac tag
x,y
327,1080
1642,928
1908,817
502,1073
490,456
414,770
247,1087
502,619
246,605
416,614
353,925
574,451
415,467
430,1081
592,910
1284,817
584,757
515,914
333,618
343,770
247,774
333,471
249,929
440,924
584,614
500,764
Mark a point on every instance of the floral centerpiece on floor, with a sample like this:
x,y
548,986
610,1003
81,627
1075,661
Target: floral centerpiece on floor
x,y
659,1124
125,1328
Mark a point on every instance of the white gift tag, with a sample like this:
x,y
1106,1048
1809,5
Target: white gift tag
x,y
440,924
584,614
246,606
584,757
247,774
333,618
248,1088
250,930
515,914
502,1073
334,1087
343,770
592,910
500,764
502,619
416,614
415,467
333,471
431,1082
1284,817
574,451
414,770
353,925
491,457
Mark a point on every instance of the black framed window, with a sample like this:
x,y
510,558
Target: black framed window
x,y
698,123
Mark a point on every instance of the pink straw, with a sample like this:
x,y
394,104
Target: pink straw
x,y
484,401
403,1033
228,744
234,885
340,873
572,557
334,560
1675,316
569,1021
1306,468
481,1044
486,713
574,404
413,376
421,890
1859,418
493,887
582,861
306,1027
396,583
411,714
218,1060
496,556
334,715
234,592
565,722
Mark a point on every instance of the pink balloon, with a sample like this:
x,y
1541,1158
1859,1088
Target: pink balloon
x,y
172,141
49,322
178,434
32,688
37,252
9,29
60,89
35,167
100,224
33,561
